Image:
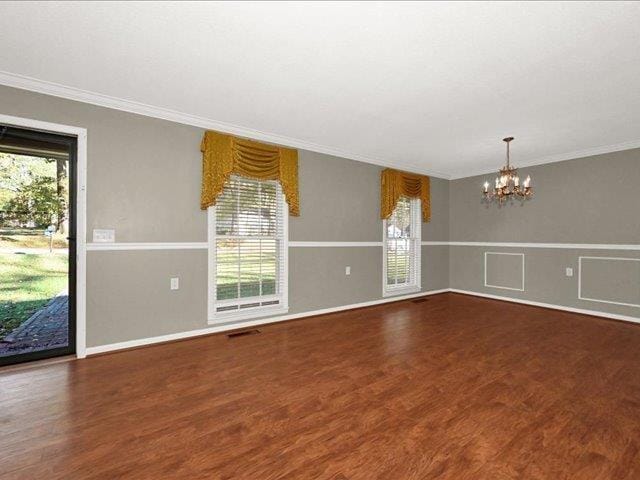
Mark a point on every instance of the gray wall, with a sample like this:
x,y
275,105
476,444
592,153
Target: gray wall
x,y
587,200
144,182
590,200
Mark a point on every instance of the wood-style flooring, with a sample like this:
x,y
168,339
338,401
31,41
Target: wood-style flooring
x,y
455,387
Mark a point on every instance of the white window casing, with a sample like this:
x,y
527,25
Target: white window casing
x,y
248,252
401,271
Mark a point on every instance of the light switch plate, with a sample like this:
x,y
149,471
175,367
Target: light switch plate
x,y
104,236
175,283
569,272
347,270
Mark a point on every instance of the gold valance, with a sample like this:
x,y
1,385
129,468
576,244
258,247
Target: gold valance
x,y
224,155
396,184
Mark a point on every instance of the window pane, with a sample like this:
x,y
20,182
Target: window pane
x,y
247,208
391,263
398,261
227,212
227,269
268,209
249,268
399,224
248,213
268,264
402,234
402,263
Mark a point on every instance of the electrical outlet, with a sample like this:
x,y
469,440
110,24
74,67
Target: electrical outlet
x,y
104,236
569,272
175,283
347,270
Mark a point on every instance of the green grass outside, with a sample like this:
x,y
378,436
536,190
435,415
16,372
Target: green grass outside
x,y
29,238
27,283
254,274
397,268
251,277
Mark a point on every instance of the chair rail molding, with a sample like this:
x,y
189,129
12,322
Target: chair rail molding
x,y
94,246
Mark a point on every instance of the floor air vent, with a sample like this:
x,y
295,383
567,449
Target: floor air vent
x,y
243,333
420,300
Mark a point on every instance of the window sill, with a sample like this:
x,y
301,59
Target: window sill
x,y
401,291
238,317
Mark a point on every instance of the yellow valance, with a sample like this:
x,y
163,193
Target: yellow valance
x,y
396,184
224,155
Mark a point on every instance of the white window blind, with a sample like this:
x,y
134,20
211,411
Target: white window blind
x,y
248,250
401,261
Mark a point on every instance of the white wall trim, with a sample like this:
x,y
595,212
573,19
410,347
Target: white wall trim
x,y
416,263
599,300
71,93
81,216
502,286
335,244
234,326
560,157
216,318
303,244
583,311
146,246
203,245
570,246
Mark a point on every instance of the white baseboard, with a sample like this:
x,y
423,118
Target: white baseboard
x,y
583,311
234,326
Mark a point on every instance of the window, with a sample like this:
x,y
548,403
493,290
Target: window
x,y
248,251
401,260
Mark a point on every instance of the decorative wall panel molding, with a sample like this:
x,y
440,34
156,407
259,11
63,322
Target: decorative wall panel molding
x,y
627,282
520,274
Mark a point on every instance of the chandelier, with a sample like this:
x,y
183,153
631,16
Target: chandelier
x,y
507,183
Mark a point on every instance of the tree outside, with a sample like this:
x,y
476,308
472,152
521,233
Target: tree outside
x,y
33,196
33,192
246,255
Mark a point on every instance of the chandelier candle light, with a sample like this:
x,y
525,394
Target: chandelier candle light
x,y
507,183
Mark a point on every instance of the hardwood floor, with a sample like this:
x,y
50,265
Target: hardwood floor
x,y
455,387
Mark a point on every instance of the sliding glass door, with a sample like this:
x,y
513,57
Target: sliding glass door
x,y
37,244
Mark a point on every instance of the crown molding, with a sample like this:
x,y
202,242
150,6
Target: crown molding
x,y
560,157
71,93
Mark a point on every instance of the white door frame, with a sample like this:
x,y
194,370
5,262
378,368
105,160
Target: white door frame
x,y
81,217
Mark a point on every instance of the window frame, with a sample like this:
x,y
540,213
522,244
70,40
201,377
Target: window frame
x,y
215,317
416,225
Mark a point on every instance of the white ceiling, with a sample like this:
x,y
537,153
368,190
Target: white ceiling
x,y
430,87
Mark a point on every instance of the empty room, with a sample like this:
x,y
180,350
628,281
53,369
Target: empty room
x,y
319,240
